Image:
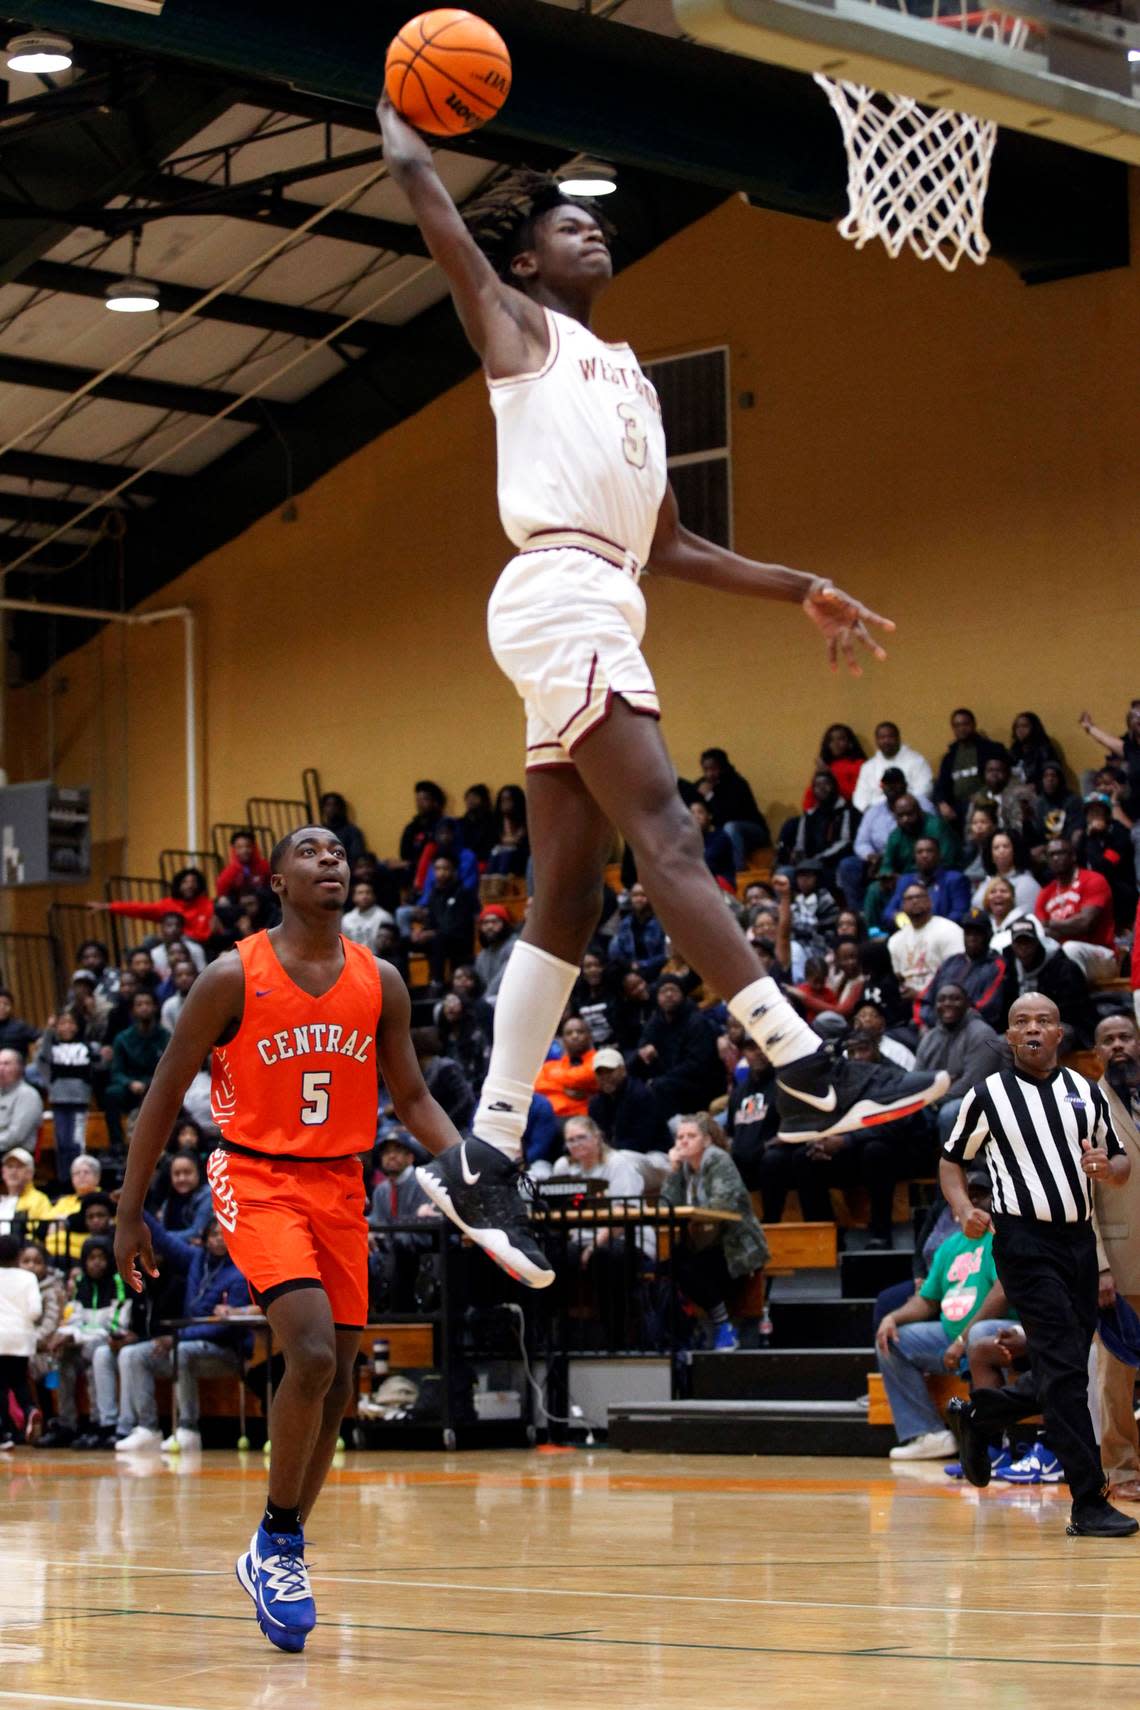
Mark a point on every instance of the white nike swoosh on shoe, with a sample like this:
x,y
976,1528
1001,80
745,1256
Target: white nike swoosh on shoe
x,y
469,1176
827,1103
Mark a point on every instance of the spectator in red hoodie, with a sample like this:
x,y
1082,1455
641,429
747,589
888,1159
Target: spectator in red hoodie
x,y
189,897
246,870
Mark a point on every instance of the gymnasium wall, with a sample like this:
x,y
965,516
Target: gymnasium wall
x,y
958,448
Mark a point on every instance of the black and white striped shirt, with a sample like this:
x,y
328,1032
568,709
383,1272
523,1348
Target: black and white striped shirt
x,y
1032,1132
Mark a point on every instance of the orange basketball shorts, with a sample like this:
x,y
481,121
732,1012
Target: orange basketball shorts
x,y
295,1224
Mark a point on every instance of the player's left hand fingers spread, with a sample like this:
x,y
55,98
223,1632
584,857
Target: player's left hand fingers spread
x,y
848,645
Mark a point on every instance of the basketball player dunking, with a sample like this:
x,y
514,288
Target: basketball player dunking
x,y
584,497
298,1021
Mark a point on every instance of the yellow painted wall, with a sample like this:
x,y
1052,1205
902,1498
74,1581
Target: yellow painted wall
x,y
956,448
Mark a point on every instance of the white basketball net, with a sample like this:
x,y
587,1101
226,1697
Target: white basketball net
x,y
918,176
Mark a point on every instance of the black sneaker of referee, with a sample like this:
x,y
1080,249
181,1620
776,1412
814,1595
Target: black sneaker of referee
x,y
477,1186
1094,1517
973,1443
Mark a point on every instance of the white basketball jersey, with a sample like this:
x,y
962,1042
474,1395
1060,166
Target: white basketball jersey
x,y
580,443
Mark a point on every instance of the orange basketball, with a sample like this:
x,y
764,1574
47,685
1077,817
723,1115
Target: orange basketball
x,y
447,72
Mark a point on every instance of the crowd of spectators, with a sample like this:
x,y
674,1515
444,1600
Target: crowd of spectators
x,y
905,907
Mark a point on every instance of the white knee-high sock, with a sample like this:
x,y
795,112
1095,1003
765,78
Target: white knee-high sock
x,y
768,1018
534,992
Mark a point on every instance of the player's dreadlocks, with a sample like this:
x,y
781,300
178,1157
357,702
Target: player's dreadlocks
x,y
502,219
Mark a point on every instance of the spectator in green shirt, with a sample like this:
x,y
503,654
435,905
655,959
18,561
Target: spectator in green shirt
x,y
133,1062
960,1297
912,824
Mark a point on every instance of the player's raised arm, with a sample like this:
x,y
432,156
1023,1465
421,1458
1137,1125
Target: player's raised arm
x,y
507,330
212,1004
688,557
419,1113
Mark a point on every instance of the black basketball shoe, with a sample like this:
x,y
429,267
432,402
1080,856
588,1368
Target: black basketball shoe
x,y
477,1186
821,1095
1095,1518
973,1442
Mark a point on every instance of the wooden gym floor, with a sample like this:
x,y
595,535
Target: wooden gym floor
x,y
572,1579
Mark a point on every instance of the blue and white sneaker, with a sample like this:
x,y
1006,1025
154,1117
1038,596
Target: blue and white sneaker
x,y
1039,1466
273,1573
725,1341
998,1458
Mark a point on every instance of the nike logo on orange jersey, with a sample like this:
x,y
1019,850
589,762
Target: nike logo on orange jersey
x,y
266,992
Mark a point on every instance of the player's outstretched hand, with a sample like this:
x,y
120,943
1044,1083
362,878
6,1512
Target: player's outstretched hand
x,y
132,1241
843,622
402,142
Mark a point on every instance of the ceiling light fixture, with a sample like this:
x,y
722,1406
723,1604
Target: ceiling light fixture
x,y
588,178
39,55
132,295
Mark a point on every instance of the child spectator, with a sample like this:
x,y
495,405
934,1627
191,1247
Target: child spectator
x,y
53,1298
68,1062
814,909
96,1310
364,919
20,1311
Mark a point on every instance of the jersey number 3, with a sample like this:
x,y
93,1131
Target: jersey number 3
x,y
635,440
315,1097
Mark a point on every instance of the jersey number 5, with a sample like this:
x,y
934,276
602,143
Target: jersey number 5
x,y
315,1097
635,440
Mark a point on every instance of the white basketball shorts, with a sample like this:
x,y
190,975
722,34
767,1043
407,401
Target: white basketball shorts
x,y
566,628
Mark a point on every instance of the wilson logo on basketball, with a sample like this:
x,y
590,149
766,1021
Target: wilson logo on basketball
x,y
496,80
457,107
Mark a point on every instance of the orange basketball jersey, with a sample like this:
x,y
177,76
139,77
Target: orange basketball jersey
x,y
299,1076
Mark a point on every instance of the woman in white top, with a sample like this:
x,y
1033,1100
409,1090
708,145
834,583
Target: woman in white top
x,y
589,1155
1003,858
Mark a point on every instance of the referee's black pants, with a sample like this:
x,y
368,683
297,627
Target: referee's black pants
x,y
1049,1274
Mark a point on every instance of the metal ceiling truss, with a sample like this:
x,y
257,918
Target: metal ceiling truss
x,y
685,125
128,389
257,312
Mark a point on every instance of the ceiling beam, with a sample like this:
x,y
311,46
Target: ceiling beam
x,y
128,389
257,312
94,155
582,83
167,197
78,472
31,508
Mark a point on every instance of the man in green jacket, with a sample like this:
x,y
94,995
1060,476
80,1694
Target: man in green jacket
x,y
134,1058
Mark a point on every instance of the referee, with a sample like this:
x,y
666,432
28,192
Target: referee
x,y
1045,1134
